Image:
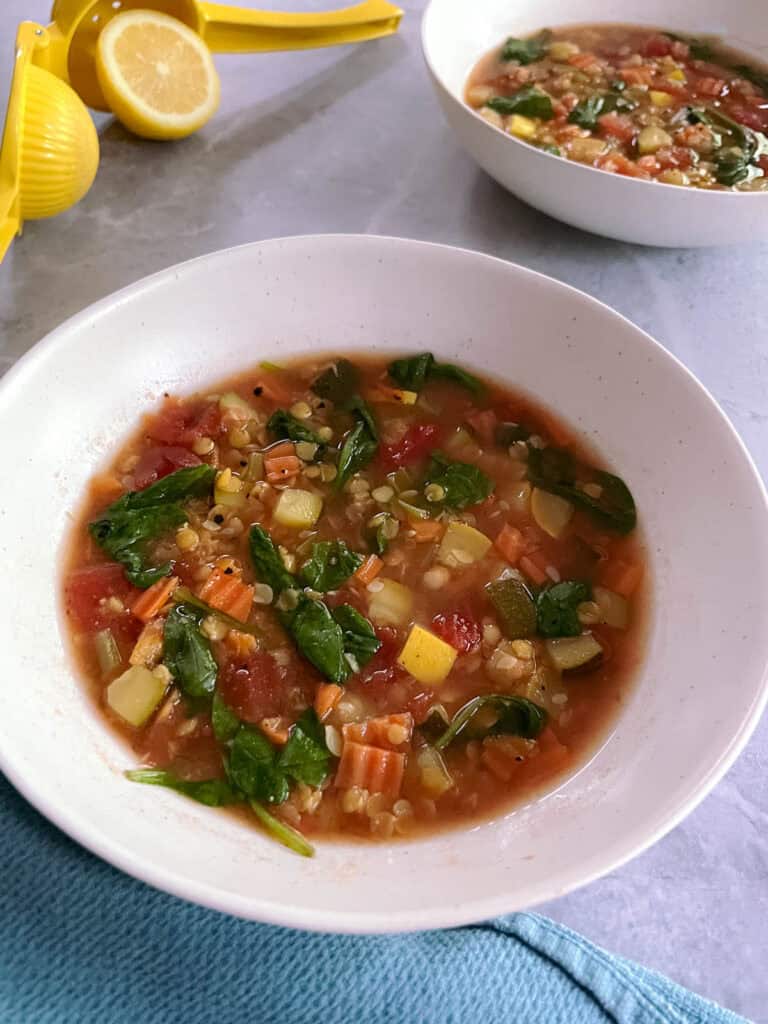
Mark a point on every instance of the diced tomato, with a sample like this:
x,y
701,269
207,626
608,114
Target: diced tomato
x,y
657,46
459,630
618,125
713,87
254,687
648,163
762,163
158,462
483,422
620,164
755,118
637,76
176,423
415,444
583,60
86,593
680,50
674,156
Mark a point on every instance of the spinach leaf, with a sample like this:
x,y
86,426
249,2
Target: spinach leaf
x,y
731,166
187,652
305,756
282,424
211,792
224,720
319,638
517,716
526,51
330,564
125,528
360,640
282,832
557,608
413,372
360,409
253,768
266,560
587,111
529,101
463,483
339,383
359,447
554,470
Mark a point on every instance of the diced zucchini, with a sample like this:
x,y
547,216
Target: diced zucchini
x,y
426,657
107,651
551,512
571,652
232,403
136,693
433,774
462,545
514,606
614,609
298,509
390,603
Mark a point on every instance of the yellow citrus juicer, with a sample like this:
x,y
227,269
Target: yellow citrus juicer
x,y
50,150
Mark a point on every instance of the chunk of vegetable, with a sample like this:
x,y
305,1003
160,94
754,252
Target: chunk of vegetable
x,y
551,512
462,545
148,649
614,609
107,651
298,509
426,657
514,606
229,490
511,543
231,402
390,604
282,832
652,138
151,601
368,571
569,653
136,693
371,768
522,127
494,714
227,593
433,773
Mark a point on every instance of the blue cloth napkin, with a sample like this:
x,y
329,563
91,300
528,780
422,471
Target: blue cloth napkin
x,y
81,943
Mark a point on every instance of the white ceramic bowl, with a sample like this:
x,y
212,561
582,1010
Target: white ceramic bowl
x,y
456,33
66,405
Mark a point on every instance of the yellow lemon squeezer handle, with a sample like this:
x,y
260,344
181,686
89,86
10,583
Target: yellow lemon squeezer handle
x,y
228,29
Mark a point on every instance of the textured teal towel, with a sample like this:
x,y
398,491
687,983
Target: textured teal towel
x,y
84,944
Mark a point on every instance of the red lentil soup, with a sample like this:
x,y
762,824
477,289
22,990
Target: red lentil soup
x,y
642,102
356,597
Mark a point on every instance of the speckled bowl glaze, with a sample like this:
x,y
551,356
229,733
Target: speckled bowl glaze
x,y
456,33
702,506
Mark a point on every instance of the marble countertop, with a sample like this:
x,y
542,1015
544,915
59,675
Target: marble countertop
x,y
352,140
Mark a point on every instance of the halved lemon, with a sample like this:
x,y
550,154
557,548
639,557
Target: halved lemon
x,y
157,75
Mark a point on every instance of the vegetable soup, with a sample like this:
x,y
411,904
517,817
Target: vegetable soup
x,y
642,102
356,598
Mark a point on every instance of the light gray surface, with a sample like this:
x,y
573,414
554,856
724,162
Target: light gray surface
x,y
352,140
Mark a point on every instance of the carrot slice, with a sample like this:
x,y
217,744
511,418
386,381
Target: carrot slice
x,y
240,644
281,450
533,566
388,732
426,529
149,602
282,469
227,592
275,729
326,698
511,543
371,768
369,570
622,577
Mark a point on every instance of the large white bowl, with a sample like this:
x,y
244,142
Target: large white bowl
x,y
456,33
66,405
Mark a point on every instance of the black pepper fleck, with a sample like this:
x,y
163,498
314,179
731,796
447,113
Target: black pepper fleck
x,y
228,571
258,391
218,518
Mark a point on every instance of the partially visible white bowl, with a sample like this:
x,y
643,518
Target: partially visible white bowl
x,y
456,33
700,502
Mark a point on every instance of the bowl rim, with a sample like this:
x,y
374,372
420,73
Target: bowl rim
x,y
261,909
575,166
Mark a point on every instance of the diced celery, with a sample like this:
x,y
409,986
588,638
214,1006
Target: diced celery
x,y
433,774
426,657
255,469
136,693
571,652
614,609
107,651
551,512
298,509
390,603
462,545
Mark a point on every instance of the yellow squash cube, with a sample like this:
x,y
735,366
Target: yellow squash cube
x,y
298,509
522,127
426,657
462,545
660,99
